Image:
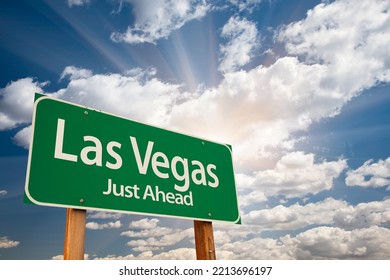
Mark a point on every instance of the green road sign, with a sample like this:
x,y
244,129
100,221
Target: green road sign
x,y
83,158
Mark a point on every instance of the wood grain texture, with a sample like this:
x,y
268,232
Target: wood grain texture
x,y
204,240
74,234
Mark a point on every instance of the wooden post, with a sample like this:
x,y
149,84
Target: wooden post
x,y
74,234
204,240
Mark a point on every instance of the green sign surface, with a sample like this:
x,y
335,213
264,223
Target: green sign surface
x,y
83,158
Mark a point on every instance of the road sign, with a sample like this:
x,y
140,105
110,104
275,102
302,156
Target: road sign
x,y
87,159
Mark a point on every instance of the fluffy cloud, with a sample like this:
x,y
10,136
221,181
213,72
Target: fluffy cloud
x,y
158,19
243,39
98,226
158,241
147,236
370,175
256,249
23,137
296,216
144,223
375,213
16,102
251,198
6,243
135,96
75,73
296,174
344,35
336,243
316,243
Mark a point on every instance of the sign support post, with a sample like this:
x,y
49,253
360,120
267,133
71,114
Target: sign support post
x,y
74,234
204,240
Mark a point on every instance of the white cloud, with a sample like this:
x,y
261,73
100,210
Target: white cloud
x,y
98,226
7,243
350,37
156,19
243,40
297,174
244,182
143,99
16,102
296,216
77,2
157,242
3,193
144,223
256,249
336,243
75,73
221,237
375,213
254,197
23,137
370,175
151,237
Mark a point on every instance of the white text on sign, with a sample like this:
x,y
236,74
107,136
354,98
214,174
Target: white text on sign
x,y
162,166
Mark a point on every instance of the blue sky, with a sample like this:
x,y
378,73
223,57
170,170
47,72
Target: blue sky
x,y
300,89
